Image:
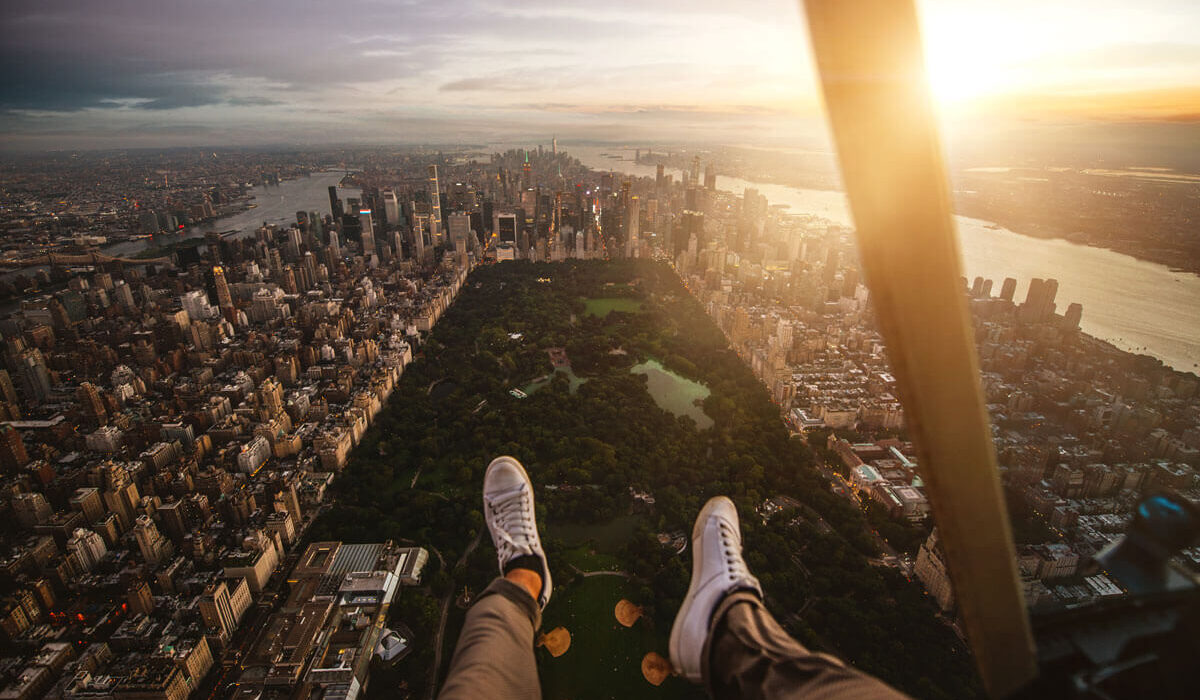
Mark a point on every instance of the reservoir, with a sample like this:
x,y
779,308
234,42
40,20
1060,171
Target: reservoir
x,y
674,393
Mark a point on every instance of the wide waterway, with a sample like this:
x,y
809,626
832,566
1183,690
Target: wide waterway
x,y
276,204
1138,306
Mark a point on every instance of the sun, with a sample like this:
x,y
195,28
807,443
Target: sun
x,y
965,62
958,74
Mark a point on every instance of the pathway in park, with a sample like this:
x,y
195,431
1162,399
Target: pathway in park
x,y
589,574
437,640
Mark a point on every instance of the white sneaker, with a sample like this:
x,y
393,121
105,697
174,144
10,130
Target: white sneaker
x,y
717,570
508,509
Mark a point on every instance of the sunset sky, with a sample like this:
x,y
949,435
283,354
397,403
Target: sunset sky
x,y
80,73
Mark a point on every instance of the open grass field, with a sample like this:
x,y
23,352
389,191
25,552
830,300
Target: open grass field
x,y
609,537
603,306
587,558
605,659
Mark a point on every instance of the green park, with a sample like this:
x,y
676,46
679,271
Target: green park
x,y
646,415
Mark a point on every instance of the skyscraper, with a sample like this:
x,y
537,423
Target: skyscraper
x,y
335,245
1009,289
12,450
420,222
224,298
1033,295
217,610
1051,291
87,500
391,208
1073,315
505,227
435,203
397,245
632,224
92,405
154,547
1039,300
31,509
368,232
197,306
270,397
87,547
35,376
141,602
335,204
459,227
174,517
8,392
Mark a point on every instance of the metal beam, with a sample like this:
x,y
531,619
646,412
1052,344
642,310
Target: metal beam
x,y
872,74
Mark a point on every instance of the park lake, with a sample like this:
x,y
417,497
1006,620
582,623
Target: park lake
x,y
674,393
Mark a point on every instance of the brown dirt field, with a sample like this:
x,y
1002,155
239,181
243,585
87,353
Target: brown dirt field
x,y
627,613
655,668
556,641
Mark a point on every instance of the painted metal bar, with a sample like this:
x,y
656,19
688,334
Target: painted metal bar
x,y
870,59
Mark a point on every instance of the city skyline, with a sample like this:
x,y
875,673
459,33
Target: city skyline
x,y
135,73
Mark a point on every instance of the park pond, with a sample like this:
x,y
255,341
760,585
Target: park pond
x,y
674,393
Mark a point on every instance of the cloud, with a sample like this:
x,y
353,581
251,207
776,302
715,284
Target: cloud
x,y
320,71
1179,105
384,53
253,101
68,89
476,84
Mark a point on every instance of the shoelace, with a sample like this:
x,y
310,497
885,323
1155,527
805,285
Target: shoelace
x,y
734,563
517,526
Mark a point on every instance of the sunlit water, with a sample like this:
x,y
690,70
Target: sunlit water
x,y
674,393
1138,306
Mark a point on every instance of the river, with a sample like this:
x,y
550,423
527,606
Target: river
x,y
277,204
1138,306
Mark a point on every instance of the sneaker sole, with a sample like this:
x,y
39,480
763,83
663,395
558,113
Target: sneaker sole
x,y
685,607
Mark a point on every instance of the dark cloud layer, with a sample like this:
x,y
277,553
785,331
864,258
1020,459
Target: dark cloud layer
x,y
54,84
73,54
64,55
